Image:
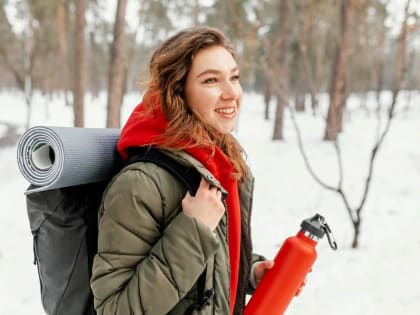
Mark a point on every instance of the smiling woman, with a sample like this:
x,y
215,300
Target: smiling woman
x,y
212,90
161,249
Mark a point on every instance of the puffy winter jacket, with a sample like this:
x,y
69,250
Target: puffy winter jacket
x,y
150,254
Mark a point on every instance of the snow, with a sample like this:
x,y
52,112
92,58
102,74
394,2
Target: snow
x,y
381,277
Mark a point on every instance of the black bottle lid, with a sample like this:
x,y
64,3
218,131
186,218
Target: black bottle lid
x,y
317,226
314,225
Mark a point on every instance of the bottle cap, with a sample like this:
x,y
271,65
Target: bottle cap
x,y
317,226
314,225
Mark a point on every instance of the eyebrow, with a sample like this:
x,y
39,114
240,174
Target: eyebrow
x,y
214,71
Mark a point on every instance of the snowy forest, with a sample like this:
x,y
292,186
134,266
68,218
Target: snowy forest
x,y
289,51
331,120
286,49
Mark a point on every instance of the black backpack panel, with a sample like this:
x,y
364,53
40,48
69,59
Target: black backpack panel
x,y
64,225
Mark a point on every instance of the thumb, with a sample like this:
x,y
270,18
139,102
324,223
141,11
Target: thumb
x,y
268,264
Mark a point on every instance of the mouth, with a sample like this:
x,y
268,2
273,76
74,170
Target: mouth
x,y
226,111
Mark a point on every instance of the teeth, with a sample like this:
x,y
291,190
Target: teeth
x,y
225,110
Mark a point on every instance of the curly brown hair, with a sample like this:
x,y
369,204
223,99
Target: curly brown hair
x,y
169,67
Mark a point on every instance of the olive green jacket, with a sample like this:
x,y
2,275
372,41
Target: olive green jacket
x,y
150,253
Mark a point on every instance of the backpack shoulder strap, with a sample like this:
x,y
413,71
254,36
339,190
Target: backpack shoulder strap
x,y
191,178
188,175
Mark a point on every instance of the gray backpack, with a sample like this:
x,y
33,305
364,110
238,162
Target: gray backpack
x,y
63,222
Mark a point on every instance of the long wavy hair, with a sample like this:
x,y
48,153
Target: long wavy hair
x,y
169,67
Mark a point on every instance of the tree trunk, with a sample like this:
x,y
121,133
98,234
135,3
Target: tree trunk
x,y
338,78
380,65
80,59
196,11
116,73
94,77
320,57
314,103
300,94
400,62
62,22
267,99
278,121
356,229
282,69
303,43
410,86
28,73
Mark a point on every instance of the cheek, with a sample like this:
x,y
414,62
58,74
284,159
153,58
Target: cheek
x,y
240,93
201,101
202,109
197,104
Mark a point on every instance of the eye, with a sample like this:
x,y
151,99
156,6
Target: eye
x,y
235,78
210,80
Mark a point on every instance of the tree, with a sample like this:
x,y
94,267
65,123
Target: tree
x,y
266,17
13,61
338,78
80,59
311,34
281,67
117,69
355,213
62,22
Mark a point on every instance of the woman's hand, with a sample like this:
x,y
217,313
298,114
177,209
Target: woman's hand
x,y
262,267
206,206
299,290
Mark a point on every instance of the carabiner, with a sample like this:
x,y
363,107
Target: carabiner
x,y
330,235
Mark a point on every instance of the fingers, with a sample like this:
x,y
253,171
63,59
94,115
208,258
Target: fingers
x,y
203,184
219,194
299,290
206,205
268,264
261,268
206,186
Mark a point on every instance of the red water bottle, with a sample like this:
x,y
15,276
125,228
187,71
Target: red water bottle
x,y
291,264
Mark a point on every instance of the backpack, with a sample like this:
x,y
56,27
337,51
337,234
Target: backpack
x,y
64,226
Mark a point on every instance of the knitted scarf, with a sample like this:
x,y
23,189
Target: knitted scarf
x,y
143,129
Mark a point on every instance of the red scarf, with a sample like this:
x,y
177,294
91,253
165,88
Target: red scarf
x,y
143,129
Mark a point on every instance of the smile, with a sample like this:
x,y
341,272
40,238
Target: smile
x,y
226,111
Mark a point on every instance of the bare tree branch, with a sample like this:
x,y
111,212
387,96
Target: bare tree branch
x,y
355,213
337,189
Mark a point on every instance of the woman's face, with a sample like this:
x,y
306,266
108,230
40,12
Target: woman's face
x,y
212,89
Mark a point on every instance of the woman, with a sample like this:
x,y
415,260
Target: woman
x,y
156,239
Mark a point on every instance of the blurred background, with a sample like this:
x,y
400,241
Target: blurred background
x,y
330,121
286,49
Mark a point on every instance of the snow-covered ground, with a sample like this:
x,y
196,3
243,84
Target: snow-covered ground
x,y
381,277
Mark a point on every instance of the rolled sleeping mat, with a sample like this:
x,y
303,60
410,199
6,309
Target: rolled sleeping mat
x,y
56,157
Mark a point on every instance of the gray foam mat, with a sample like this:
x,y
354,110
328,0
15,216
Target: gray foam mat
x,y
55,157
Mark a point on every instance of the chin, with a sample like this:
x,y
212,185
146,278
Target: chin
x,y
226,130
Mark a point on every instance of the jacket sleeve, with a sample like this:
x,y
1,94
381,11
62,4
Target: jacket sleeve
x,y
141,266
251,283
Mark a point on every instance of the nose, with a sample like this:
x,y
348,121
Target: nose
x,y
231,90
